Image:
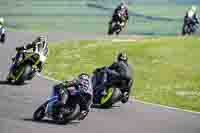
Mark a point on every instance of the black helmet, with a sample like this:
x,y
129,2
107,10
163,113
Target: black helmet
x,y
122,56
43,41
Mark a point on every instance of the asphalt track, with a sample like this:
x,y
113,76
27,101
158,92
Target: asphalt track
x,y
17,103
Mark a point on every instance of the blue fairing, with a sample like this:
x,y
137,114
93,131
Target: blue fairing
x,y
53,98
17,58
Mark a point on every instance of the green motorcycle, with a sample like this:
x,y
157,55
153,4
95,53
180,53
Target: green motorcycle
x,y
113,96
26,68
115,93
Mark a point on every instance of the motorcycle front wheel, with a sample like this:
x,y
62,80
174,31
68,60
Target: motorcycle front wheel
x,y
68,114
39,114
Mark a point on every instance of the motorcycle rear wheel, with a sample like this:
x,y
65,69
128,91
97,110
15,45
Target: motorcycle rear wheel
x,y
116,96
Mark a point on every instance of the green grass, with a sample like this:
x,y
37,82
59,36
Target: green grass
x,y
76,16
171,10
167,70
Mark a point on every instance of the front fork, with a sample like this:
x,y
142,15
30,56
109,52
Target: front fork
x,y
15,61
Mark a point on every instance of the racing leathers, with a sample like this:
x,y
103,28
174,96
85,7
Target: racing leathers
x,y
191,19
2,27
118,74
36,46
120,15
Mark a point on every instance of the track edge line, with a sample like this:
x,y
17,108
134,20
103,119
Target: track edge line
x,y
136,100
164,106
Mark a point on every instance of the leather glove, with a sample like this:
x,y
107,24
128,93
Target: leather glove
x,y
83,115
19,48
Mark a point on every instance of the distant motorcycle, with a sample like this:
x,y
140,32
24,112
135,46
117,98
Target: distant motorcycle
x,y
66,112
2,35
115,27
26,68
189,29
115,93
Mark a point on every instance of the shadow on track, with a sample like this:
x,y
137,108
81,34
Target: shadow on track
x,y
5,82
47,121
97,107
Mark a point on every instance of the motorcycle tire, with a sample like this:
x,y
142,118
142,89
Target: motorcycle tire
x,y
116,96
72,116
39,114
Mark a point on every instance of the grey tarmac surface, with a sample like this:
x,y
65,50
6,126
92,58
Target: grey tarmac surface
x,y
17,104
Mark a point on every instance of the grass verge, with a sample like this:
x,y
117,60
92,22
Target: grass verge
x,y
167,70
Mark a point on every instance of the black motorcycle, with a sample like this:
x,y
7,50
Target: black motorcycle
x,y
115,91
116,26
189,28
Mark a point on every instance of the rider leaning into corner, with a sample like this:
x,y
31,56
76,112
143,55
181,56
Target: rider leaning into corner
x,y
1,22
83,85
122,8
39,45
191,17
116,73
2,30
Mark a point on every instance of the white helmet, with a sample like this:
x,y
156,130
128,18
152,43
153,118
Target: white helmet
x,y
194,8
1,20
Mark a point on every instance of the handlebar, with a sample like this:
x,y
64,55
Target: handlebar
x,y
19,50
24,51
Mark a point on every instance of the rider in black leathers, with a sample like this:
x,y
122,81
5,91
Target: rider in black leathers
x,y
117,16
191,18
121,7
119,72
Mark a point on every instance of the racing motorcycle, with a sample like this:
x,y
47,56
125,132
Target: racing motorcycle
x,y
27,67
188,28
115,27
115,92
2,34
69,110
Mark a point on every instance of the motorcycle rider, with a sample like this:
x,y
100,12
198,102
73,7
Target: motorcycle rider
x,y
82,84
1,22
2,30
122,8
119,72
191,18
39,45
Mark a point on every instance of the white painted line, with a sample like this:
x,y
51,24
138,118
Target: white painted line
x,y
46,77
165,106
124,40
135,100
